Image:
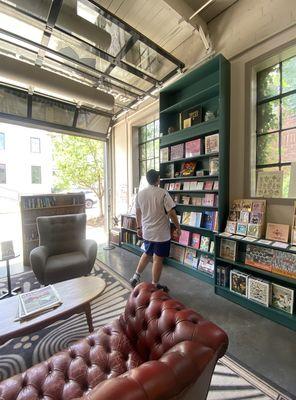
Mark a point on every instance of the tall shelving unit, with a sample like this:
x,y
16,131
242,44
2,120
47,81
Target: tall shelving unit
x,y
207,87
45,205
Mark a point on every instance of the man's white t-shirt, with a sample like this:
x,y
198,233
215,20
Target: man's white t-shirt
x,y
154,203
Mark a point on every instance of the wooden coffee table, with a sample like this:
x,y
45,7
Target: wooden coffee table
x,y
76,295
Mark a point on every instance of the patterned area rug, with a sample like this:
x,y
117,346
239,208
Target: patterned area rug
x,y
230,380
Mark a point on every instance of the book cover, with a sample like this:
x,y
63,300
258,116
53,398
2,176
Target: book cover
x,y
260,257
208,200
186,123
178,186
258,206
192,148
234,215
194,115
284,263
186,186
216,185
255,230
196,201
212,247
186,200
239,282
172,186
189,257
216,221
208,185
204,243
208,220
282,298
177,252
244,216
195,240
214,166
206,264
198,219
212,144
184,237
200,186
188,168
236,205
242,228
278,232
177,151
259,291
228,249
193,186
231,227
186,216
247,205
164,154
168,171
257,218
39,300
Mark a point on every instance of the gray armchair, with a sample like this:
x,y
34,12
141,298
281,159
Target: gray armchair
x,y
63,252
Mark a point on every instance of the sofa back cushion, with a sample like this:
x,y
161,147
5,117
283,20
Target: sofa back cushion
x,y
61,233
154,323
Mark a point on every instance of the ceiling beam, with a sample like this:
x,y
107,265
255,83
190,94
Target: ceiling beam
x,y
197,22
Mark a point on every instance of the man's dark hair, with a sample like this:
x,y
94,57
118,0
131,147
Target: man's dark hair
x,y
152,176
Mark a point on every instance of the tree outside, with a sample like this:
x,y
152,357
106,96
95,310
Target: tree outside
x,y
79,163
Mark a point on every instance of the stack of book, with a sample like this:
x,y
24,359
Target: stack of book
x,y
37,302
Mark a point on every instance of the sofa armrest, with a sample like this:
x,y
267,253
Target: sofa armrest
x,y
89,248
163,379
38,258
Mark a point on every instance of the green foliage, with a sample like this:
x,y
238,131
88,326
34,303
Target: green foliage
x,y
79,163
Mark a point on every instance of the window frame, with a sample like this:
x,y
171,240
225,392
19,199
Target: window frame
x,y
155,138
5,174
31,145
36,183
280,130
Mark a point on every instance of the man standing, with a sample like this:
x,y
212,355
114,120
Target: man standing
x,y
154,209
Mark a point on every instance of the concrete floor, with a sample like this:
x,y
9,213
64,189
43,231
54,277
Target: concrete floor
x,y
263,346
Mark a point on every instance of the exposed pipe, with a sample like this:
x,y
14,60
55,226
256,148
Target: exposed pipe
x,y
42,80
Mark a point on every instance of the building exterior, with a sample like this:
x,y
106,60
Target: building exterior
x,y
25,162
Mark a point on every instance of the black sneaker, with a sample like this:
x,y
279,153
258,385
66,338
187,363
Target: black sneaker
x,y
163,287
134,282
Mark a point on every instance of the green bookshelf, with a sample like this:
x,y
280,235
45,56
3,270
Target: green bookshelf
x,y
279,316
206,88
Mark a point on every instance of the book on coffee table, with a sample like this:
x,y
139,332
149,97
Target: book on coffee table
x,y
38,301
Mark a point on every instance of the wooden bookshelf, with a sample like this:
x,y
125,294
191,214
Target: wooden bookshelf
x,y
239,264
45,205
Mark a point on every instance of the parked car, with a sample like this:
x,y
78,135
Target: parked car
x,y
90,197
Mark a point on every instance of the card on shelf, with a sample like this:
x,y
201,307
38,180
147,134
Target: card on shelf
x,y
196,201
177,151
214,166
200,186
188,168
254,230
190,255
184,237
193,148
212,144
277,232
204,243
282,298
195,240
239,282
231,227
259,290
208,185
164,154
242,228
228,249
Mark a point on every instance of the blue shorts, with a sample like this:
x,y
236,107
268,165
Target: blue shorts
x,y
161,249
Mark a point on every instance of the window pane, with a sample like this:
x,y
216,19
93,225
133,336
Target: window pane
x,y
92,121
2,173
150,149
150,131
142,152
156,127
35,145
269,82
143,136
2,141
268,149
268,116
156,148
289,111
36,174
289,146
150,164
289,75
143,168
286,180
13,101
52,111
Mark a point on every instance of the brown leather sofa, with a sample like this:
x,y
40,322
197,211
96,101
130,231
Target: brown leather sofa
x,y
63,252
157,350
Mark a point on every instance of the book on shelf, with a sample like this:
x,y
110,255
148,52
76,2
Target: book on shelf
x,y
37,301
222,275
190,255
206,264
209,220
216,185
196,201
204,243
193,148
184,237
239,282
192,116
200,186
284,263
188,168
193,185
177,151
259,257
208,185
228,249
186,218
214,166
195,240
259,291
177,252
208,200
164,154
186,200
168,170
282,298
212,144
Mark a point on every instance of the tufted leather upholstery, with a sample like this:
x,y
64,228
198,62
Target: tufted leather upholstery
x,y
155,351
63,252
